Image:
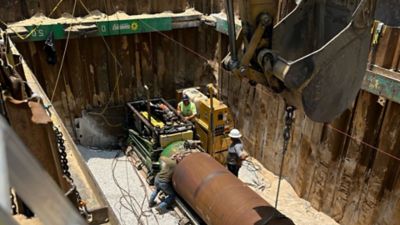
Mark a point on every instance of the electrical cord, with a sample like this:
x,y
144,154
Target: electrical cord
x,y
127,201
143,185
63,56
258,183
120,74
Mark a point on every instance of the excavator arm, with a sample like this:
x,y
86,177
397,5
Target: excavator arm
x,y
315,57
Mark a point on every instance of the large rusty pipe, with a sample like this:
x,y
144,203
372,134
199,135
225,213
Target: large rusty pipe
x,y
220,198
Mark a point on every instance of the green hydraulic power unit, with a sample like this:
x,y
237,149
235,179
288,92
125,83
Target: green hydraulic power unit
x,y
152,126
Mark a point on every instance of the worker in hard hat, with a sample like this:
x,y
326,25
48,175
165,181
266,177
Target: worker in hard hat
x,y
236,154
163,182
186,108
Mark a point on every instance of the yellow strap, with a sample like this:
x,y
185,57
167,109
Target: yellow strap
x,y
154,122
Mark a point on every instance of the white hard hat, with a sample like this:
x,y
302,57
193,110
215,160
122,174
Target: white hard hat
x,y
235,133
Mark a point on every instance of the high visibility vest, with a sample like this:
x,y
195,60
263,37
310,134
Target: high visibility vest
x,y
188,110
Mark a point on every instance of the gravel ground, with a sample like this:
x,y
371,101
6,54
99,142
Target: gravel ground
x,y
265,183
128,199
133,200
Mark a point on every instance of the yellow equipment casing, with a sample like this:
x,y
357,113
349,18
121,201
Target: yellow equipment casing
x,y
215,143
167,139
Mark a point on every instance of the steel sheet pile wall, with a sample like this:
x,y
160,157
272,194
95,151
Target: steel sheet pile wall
x,y
385,52
90,73
348,180
219,197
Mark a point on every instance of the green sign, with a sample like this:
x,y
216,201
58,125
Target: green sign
x,y
109,28
104,27
43,31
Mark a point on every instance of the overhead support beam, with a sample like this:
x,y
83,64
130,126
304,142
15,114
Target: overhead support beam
x,y
102,25
383,82
221,23
378,81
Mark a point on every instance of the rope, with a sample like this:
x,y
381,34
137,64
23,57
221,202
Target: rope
x,y
63,57
177,42
118,63
173,40
364,143
37,27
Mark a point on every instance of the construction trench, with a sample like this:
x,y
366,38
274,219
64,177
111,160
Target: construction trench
x,y
105,55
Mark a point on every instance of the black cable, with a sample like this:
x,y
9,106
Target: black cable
x,y
253,168
145,190
124,193
127,201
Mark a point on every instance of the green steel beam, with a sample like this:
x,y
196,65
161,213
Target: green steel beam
x,y
105,26
222,24
383,83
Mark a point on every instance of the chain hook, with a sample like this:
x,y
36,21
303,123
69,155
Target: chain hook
x,y
289,117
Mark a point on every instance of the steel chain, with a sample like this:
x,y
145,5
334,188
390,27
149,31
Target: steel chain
x,y
289,116
288,127
62,153
65,168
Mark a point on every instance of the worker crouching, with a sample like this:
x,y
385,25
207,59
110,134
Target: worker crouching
x,y
236,154
163,182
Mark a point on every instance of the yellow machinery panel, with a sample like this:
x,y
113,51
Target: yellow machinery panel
x,y
203,136
222,116
165,140
215,143
221,143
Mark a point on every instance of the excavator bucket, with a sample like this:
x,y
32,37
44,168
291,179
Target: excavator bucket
x,y
323,46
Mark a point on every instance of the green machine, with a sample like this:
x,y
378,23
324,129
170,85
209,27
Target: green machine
x,y
155,129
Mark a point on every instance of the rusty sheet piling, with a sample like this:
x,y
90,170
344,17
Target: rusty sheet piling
x,y
219,197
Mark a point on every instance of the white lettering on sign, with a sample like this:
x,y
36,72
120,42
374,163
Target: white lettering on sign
x,y
38,33
124,26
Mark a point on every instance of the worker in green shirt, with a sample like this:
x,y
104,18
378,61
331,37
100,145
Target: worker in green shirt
x,y
186,108
163,182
